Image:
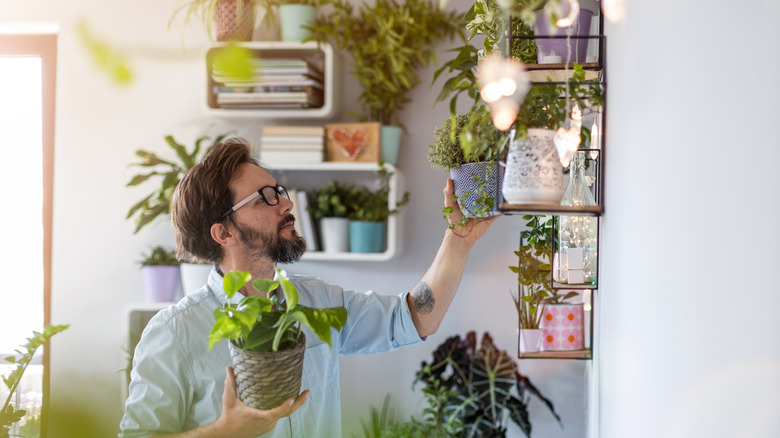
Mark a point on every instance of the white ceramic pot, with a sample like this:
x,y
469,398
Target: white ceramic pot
x,y
194,276
533,172
530,340
334,232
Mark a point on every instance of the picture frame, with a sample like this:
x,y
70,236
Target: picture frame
x,y
353,142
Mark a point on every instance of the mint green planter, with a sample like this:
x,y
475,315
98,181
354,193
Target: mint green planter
x,y
292,18
366,236
391,142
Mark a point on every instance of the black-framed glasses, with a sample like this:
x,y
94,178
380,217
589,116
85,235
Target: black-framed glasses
x,y
267,194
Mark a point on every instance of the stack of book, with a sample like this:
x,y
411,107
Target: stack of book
x,y
292,144
275,83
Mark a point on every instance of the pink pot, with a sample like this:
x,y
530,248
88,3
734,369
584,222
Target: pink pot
x,y
563,327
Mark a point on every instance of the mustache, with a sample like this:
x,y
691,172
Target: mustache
x,y
284,221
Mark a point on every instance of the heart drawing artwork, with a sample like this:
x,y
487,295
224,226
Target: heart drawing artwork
x,y
349,140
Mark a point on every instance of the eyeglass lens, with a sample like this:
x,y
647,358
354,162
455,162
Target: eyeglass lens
x,y
271,194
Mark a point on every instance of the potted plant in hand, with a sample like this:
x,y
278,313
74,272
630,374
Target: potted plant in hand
x,y
160,272
157,204
331,206
369,210
471,152
388,42
267,343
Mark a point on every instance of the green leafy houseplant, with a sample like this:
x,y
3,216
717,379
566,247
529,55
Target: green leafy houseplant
x,y
372,205
10,415
435,422
487,388
474,140
331,200
158,202
265,323
534,272
159,256
484,19
388,42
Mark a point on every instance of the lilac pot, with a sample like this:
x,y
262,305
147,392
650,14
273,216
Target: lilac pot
x,y
160,283
578,46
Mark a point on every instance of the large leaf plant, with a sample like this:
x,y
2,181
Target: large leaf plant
x,y
158,202
9,414
488,389
267,323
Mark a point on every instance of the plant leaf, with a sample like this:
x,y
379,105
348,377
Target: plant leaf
x,y
234,281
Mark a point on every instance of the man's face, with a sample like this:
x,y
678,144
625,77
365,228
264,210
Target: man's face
x,y
266,231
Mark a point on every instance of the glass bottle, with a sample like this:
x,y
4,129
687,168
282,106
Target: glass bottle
x,y
577,236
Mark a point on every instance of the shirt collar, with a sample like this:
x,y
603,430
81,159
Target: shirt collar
x,y
215,284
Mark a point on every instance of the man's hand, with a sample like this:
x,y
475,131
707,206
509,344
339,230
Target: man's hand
x,y
473,228
239,420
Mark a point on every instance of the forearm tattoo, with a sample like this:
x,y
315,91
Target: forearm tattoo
x,y
423,299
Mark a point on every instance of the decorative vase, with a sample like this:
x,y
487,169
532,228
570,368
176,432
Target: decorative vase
x,y
577,234
391,142
335,234
265,380
366,236
574,49
194,276
235,22
563,327
476,187
293,18
533,173
530,340
160,283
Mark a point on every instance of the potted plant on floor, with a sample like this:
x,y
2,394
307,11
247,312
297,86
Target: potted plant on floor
x,y
160,272
471,152
267,343
369,210
489,390
331,207
157,204
388,42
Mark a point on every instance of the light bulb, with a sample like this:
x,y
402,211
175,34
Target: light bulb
x,y
504,117
594,141
566,142
574,12
491,92
503,85
508,86
614,10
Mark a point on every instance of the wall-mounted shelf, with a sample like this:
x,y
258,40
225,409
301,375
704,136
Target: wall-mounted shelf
x,y
310,175
321,55
572,354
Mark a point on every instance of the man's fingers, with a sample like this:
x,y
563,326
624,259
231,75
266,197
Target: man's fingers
x,y
449,193
230,379
289,406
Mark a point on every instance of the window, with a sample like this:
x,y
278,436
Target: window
x,y
27,68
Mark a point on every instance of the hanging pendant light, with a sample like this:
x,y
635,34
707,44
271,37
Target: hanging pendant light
x,y
503,85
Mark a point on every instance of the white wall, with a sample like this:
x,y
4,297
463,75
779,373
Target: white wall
x,y
689,327
95,278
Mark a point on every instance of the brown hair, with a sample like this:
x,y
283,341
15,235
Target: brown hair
x,y
203,196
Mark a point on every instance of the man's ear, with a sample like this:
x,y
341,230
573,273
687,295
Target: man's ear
x,y
222,235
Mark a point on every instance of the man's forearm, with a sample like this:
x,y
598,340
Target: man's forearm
x,y
431,297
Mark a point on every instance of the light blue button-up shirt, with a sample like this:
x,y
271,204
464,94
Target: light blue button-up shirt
x,y
177,383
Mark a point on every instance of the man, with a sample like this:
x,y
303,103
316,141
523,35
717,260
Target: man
x,y
231,212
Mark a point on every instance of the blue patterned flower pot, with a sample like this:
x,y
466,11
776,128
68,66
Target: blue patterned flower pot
x,y
477,188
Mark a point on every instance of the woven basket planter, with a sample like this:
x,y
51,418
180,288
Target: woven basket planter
x,y
230,25
265,380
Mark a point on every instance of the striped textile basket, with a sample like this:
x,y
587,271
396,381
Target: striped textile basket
x,y
235,22
265,380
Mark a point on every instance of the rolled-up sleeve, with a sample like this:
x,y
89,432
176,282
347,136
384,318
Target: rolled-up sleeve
x,y
375,323
156,402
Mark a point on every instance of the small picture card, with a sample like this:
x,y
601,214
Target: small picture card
x,y
353,142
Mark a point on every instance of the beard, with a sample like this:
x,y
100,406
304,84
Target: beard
x,y
271,244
